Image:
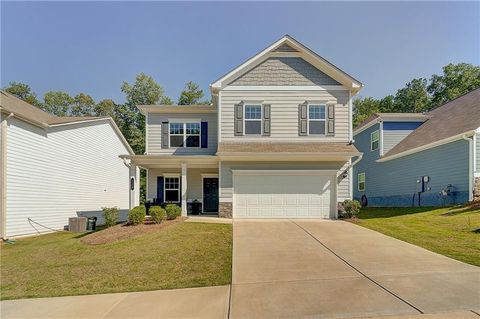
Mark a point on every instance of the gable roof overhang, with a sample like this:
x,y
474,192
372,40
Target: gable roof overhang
x,y
299,50
390,117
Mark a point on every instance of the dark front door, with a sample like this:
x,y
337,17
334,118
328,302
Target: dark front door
x,y
210,195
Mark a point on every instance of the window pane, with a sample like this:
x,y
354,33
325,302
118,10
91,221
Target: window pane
x,y
172,182
193,128
193,141
316,127
316,112
361,186
253,127
253,112
171,195
176,128
176,141
375,145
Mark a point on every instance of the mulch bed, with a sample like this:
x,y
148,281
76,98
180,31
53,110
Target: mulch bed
x,y
125,231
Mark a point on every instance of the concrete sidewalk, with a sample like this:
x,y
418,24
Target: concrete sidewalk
x,y
208,302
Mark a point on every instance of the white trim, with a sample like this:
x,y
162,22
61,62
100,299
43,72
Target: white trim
x,y
219,118
284,172
186,120
350,121
475,141
171,174
183,188
364,182
210,176
471,179
146,184
285,88
3,174
146,133
427,146
372,141
381,138
366,126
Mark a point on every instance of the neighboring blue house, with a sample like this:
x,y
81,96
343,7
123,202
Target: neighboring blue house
x,y
415,159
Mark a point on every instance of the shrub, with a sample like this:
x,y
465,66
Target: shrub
x,y
352,207
111,216
173,211
136,215
158,214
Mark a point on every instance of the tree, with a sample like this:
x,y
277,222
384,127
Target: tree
x,y
57,102
83,105
192,94
22,91
413,97
456,80
363,108
105,107
165,100
143,92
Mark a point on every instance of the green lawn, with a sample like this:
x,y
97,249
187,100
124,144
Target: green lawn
x,y
179,256
453,232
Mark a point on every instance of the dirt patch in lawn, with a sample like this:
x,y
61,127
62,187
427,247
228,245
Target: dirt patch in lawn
x,y
125,231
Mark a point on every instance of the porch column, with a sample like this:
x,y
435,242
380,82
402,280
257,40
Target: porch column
x,y
184,189
134,186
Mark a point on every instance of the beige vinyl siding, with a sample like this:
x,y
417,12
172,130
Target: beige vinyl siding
x,y
154,133
60,172
343,186
392,137
284,113
226,177
284,71
194,181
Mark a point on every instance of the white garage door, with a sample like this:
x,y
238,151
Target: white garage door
x,y
282,196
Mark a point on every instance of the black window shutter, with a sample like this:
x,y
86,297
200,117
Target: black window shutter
x,y
160,189
266,119
302,119
238,119
165,134
331,120
204,133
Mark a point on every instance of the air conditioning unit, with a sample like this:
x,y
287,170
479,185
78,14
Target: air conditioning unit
x,y
77,224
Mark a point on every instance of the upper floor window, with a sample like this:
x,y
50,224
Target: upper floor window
x,y
361,182
253,119
316,120
184,134
375,140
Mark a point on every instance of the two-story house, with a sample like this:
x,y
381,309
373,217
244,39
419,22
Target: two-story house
x,y
415,159
276,143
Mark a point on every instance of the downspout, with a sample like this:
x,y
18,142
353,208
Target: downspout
x,y
470,166
3,177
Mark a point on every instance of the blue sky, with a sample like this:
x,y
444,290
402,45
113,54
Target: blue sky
x,y
92,47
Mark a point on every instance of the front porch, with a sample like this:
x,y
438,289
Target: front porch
x,y
192,182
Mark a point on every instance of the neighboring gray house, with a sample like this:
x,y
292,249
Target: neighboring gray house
x,y
274,144
414,159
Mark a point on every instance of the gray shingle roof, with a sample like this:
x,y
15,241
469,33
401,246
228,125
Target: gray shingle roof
x,y
459,116
22,109
287,147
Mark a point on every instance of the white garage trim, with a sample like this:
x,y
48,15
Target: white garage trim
x,y
253,199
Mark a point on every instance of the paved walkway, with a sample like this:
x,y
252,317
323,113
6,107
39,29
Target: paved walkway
x,y
293,269
325,269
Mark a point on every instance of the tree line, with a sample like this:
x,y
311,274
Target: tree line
x,y
420,94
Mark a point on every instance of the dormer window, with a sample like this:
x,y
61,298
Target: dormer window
x,y
253,119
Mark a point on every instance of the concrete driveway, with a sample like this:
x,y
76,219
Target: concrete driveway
x,y
332,269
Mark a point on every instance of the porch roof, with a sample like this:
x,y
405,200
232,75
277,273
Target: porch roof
x,y
288,150
172,161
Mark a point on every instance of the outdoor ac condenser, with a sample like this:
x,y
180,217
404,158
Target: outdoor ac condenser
x,y
77,224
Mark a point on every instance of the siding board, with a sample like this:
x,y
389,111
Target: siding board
x,y
61,172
